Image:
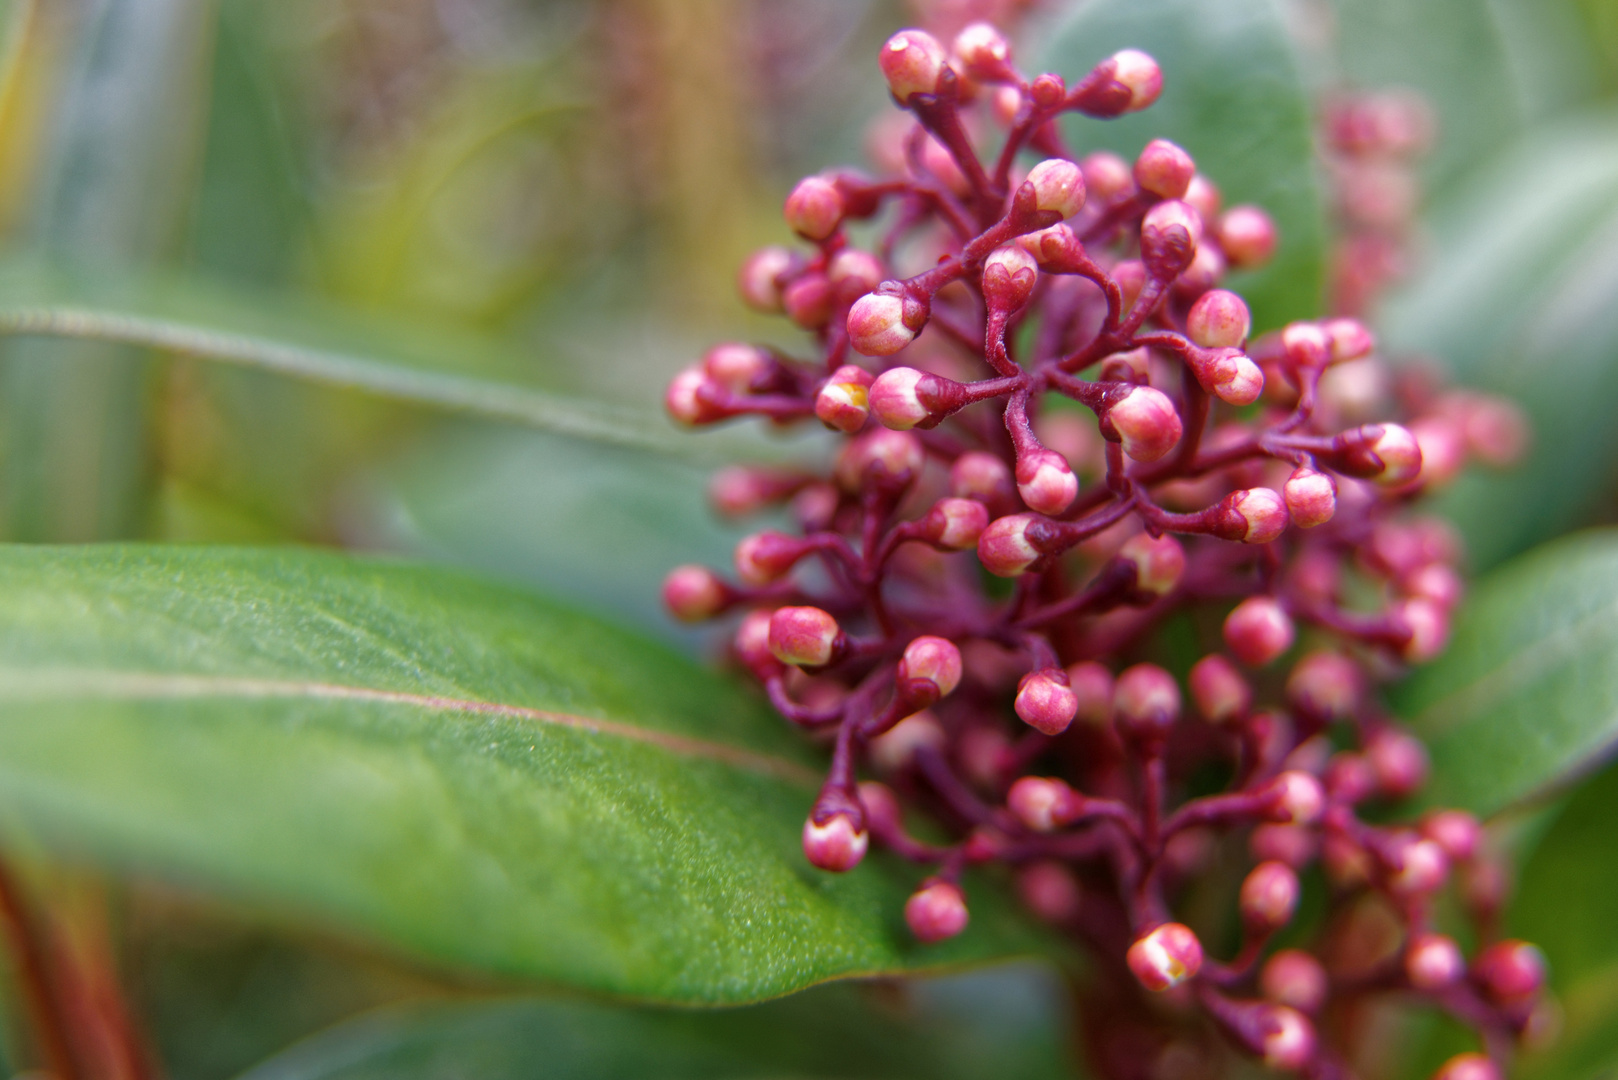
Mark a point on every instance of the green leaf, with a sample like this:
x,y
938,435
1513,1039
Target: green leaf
x,y
434,763
830,1032
1518,298
1233,96
1526,697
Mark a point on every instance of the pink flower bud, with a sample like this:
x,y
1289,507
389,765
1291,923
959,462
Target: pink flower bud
x,y
1050,890
1047,90
1436,582
838,843
1045,702
1399,761
768,556
1442,445
815,208
854,273
1468,1066
941,164
1398,452
1294,978
1130,276
1496,431
1219,320
1306,345
1269,897
880,804
1092,688
982,52
1055,247
937,911
1286,1038
1140,73
1349,778
735,366
1159,563
1324,686
1254,516
1046,481
888,459
1429,629
1169,235
752,645
1349,339
933,660
1456,831
955,524
1203,196
758,279
1146,702
844,402
1009,276
1166,957
894,399
739,490
1004,548
1298,798
1433,961
980,475
1145,423
877,325
808,301
1258,630
694,593
913,62
1247,236
684,398
1229,374
804,636
1295,845
1510,971
1220,692
1058,186
1311,497
1044,805
1107,176
1164,169
1416,867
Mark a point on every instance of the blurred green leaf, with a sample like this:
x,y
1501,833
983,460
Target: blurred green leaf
x,y
435,763
1234,96
1520,297
1525,699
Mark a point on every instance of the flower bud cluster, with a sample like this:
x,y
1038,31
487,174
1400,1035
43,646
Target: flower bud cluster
x,y
1134,456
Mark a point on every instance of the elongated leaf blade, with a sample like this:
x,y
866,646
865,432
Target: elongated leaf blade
x,y
434,763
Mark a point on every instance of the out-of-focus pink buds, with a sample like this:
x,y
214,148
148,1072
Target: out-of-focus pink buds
x,y
808,301
1169,235
1254,516
1258,630
1269,897
936,911
1159,562
1004,548
980,475
768,556
1046,482
1496,431
1443,449
1350,340
1145,422
1399,761
1009,276
836,843
1324,686
1306,345
1045,701
888,459
804,636
1416,867
1296,798
882,323
1218,689
913,62
934,661
853,272
1456,831
1166,957
1106,175
844,402
1140,73
1294,978
1428,624
752,645
1311,497
1050,890
815,208
1204,197
739,490
1295,845
983,52
735,366
1348,777
758,279
686,399
1437,582
1044,805
1219,320
1510,972
694,593
1058,186
1247,236
955,524
1229,374
1145,702
1092,688
1285,1038
1164,170
1468,1066
1433,961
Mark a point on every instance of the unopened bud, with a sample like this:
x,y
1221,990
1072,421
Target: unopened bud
x,y
808,301
1443,449
1285,1038
1092,687
1159,562
1009,276
1296,798
1510,972
1169,235
815,208
877,326
694,593
1399,761
1433,961
853,272
980,475
1254,516
1386,453
735,366
1324,686
1306,344
1164,169
895,401
1050,890
837,843
758,279
1247,236
1046,481
913,62
1456,831
768,556
1269,897
1146,702
1229,374
982,52
1140,73
1219,320
1428,625
1145,422
684,398
804,636
1496,431
1349,339
1468,1066
1106,175
1437,582
1058,186
1044,805
1130,276
1311,497
932,660
888,459
937,911
1204,197
955,524
752,645
1258,630
1055,247
1294,978
1349,778
1416,867
844,402
1295,845
1218,689
1166,957
1045,702
1004,548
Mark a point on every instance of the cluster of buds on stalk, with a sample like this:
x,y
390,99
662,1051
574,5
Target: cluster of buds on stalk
x,y
1058,439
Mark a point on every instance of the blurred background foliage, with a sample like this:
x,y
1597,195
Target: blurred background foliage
x,y
554,194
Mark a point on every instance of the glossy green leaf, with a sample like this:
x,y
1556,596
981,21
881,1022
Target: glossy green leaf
x,y
1526,697
434,763
1234,96
831,1032
1520,296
